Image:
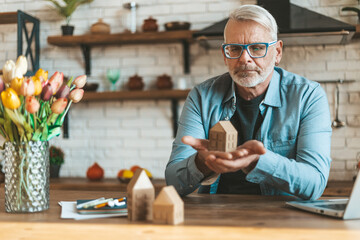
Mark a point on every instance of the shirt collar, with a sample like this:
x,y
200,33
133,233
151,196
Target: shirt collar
x,y
272,97
231,92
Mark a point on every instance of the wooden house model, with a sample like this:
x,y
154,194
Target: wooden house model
x,y
223,137
140,197
168,207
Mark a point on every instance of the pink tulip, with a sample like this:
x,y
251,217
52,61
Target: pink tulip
x,y
59,105
76,95
31,104
43,83
27,87
80,81
63,91
56,81
2,84
47,92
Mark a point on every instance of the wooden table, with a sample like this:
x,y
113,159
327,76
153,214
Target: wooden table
x,y
107,184
206,217
333,188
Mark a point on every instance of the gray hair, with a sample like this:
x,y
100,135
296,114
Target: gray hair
x,y
257,14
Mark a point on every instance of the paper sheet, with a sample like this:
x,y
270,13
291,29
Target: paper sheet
x,y
68,211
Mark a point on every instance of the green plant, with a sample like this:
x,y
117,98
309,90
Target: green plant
x,y
68,7
56,155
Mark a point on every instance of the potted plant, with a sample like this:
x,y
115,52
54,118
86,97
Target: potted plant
x,y
56,160
66,11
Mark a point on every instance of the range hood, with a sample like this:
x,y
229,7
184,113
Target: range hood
x,y
297,26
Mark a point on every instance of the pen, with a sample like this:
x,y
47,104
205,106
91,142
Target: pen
x,y
112,202
85,204
98,202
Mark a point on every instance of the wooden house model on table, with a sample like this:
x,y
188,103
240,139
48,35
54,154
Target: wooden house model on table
x,y
168,207
223,137
140,197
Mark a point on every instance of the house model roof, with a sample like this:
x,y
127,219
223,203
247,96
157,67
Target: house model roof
x,y
140,181
168,196
222,126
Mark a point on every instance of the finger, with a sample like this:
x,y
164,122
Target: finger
x,y
239,153
254,147
224,155
216,163
240,163
214,166
197,144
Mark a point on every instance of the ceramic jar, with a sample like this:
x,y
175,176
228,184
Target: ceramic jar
x,y
164,82
100,28
150,25
135,83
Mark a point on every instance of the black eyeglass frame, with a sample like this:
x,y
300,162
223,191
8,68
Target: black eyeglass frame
x,y
245,46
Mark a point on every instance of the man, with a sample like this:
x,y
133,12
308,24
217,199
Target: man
x,y
282,119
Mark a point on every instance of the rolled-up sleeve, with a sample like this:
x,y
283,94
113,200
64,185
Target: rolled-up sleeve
x,y
181,170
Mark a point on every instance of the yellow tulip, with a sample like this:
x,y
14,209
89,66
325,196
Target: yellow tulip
x,y
16,84
38,85
41,74
10,99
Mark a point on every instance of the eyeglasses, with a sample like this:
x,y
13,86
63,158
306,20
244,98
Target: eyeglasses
x,y
255,50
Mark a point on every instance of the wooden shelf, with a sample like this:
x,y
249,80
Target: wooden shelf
x,y
88,41
8,17
121,38
136,95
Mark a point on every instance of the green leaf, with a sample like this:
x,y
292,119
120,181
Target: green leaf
x,y
44,133
55,131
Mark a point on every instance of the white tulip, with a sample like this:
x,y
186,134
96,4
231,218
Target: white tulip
x,y
18,73
21,64
8,71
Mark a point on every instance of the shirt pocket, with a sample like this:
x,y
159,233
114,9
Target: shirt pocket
x,y
286,148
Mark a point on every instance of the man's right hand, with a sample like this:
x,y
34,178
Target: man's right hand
x,y
201,146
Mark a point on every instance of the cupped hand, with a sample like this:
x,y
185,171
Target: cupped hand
x,y
244,158
204,155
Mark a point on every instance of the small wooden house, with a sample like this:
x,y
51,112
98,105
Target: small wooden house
x,y
140,197
223,137
168,207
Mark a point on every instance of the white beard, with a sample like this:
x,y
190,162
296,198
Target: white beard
x,y
251,80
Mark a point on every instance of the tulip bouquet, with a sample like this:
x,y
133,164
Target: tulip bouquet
x,y
33,108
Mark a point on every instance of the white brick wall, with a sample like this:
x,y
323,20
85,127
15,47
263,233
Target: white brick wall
x,y
119,134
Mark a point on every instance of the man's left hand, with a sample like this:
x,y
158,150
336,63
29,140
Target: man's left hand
x,y
245,157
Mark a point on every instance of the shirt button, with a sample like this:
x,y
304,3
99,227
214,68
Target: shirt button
x,y
190,185
226,118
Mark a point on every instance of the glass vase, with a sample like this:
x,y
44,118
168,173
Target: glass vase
x,y
26,176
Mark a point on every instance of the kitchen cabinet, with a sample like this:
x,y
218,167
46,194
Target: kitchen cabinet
x,y
32,38
86,42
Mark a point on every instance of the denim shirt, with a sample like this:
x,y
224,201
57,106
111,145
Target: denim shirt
x,y
296,131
